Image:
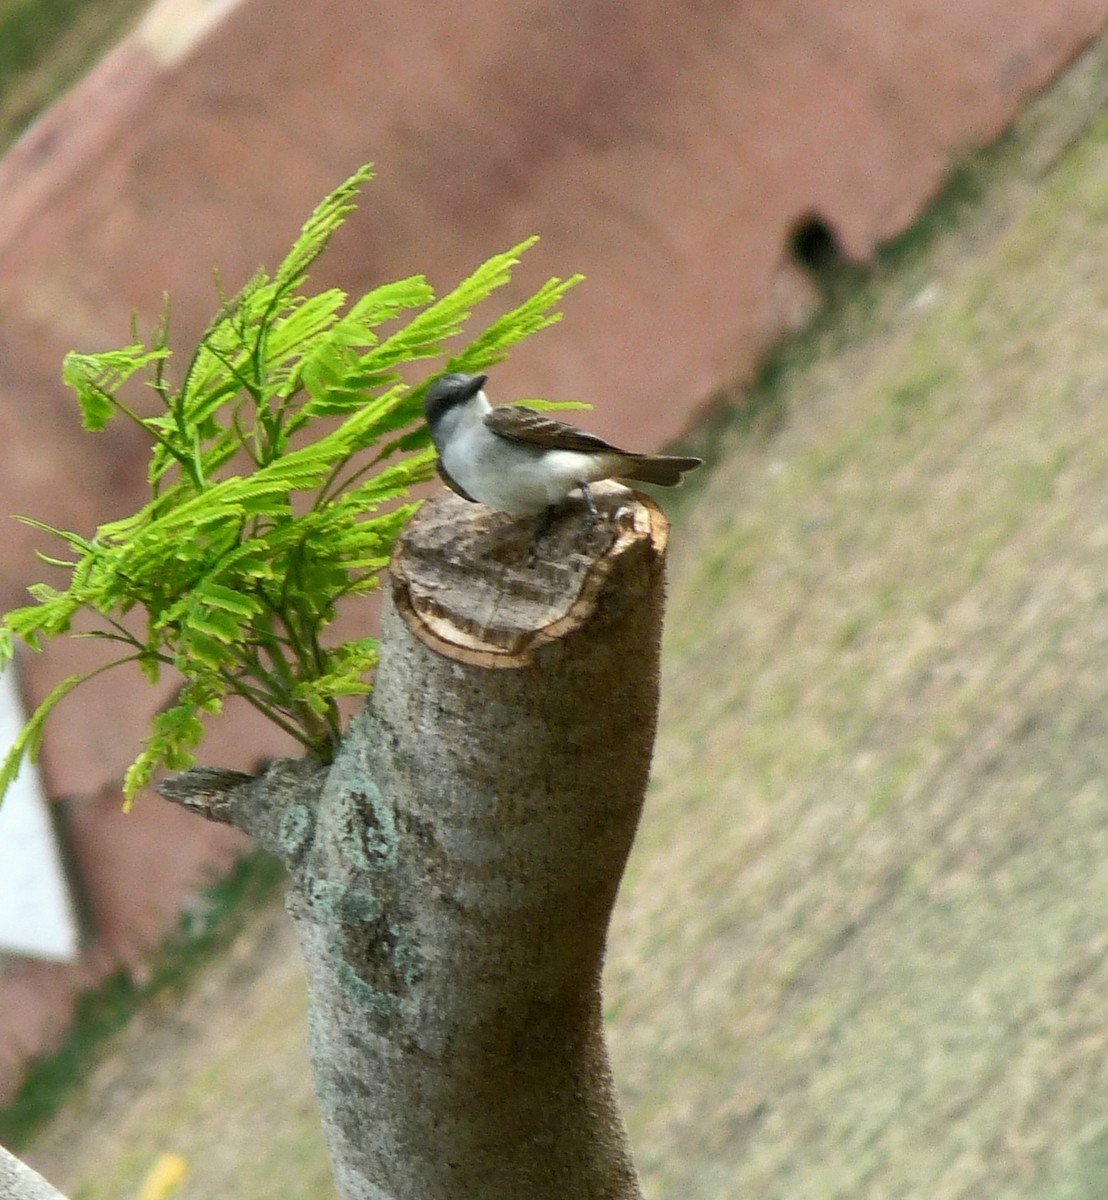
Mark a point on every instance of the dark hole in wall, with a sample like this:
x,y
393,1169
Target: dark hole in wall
x,y
814,245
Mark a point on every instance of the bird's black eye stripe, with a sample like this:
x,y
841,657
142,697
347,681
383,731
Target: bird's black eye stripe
x,y
450,390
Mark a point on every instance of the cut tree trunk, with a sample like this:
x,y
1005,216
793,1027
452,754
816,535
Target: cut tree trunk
x,y
19,1182
453,872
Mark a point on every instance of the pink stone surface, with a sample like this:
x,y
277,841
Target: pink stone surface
x,y
667,151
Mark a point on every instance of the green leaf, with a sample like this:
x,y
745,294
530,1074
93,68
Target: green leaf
x,y
199,649
74,540
218,596
175,732
387,302
319,227
96,378
96,409
530,317
29,740
424,335
553,405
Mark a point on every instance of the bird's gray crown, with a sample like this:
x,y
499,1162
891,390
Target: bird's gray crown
x,y
449,390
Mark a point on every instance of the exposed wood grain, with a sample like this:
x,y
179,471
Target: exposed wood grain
x,y
483,589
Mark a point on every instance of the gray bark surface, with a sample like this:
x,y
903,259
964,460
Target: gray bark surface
x,y
453,872
19,1182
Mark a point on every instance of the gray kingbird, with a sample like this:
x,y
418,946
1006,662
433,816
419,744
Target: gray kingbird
x,y
521,461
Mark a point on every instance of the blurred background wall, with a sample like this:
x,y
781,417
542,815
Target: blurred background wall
x,y
687,159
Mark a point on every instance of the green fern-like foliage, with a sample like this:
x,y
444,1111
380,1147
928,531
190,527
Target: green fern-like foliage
x,y
278,470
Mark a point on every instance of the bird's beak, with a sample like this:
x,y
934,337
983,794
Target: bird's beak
x,y
474,386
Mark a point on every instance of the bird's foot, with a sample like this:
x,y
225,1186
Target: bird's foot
x,y
584,534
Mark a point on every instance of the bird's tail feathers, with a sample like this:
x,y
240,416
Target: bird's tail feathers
x,y
662,469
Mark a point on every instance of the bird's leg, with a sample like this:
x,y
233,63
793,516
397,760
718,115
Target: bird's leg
x,y
594,512
551,514
542,526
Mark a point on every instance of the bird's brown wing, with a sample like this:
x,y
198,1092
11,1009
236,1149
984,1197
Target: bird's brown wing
x,y
522,424
455,487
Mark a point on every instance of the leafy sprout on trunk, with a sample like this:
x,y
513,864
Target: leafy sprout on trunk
x,y
278,470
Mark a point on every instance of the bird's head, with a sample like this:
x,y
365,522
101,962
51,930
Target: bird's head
x,y
448,392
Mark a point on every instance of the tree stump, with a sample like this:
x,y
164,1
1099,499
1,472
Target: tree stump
x,y
454,870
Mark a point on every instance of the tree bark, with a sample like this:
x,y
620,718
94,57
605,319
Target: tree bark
x,y
19,1182
453,872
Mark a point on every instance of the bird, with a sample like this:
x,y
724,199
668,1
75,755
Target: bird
x,y
521,461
